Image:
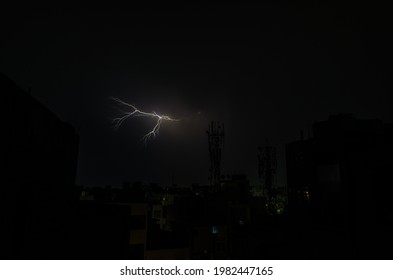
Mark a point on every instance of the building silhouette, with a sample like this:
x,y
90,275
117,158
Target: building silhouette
x,y
38,173
340,184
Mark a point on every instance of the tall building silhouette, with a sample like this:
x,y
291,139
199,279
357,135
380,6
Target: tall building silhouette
x,y
38,174
341,179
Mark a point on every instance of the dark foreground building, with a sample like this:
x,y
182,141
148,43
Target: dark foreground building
x,y
341,189
38,170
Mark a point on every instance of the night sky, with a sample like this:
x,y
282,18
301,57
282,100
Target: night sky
x,y
267,71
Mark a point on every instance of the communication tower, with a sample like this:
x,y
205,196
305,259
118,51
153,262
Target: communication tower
x,y
215,136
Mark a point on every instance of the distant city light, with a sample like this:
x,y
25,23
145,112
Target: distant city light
x,y
214,229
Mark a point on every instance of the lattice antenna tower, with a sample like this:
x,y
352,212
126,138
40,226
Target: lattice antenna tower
x,y
267,168
215,136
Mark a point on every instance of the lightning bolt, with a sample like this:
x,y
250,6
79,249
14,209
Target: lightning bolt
x,y
135,112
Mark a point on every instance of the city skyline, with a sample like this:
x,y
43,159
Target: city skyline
x,y
197,132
